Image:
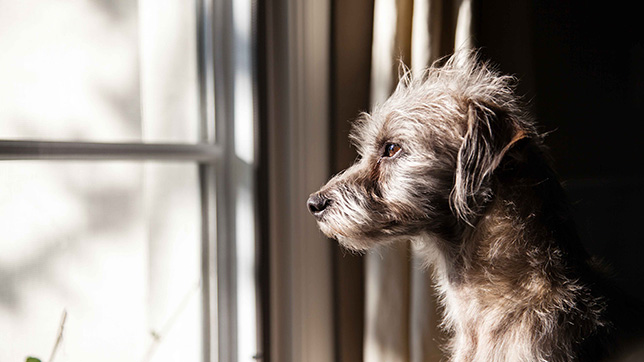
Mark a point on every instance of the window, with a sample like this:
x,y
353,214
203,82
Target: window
x,y
126,195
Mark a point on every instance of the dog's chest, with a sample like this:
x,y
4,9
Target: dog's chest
x,y
481,331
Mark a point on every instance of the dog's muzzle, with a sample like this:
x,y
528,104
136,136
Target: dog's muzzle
x,y
317,204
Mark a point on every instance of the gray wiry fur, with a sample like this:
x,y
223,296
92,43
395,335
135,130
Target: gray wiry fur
x,y
452,162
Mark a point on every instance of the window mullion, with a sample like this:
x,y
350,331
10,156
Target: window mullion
x,y
48,150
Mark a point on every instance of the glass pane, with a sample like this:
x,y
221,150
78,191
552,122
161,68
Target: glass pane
x,y
116,246
99,71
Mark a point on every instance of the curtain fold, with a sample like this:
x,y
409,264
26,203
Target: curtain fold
x,y
401,318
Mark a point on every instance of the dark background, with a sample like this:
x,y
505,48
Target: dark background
x,y
581,67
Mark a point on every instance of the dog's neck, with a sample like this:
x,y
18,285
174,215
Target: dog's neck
x,y
511,281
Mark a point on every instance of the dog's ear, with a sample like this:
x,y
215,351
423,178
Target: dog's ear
x,y
488,137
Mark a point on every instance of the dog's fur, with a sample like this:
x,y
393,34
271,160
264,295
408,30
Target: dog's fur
x,y
452,162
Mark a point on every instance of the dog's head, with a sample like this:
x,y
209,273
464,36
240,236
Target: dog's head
x,y
426,157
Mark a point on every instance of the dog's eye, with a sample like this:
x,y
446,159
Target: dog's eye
x,y
391,149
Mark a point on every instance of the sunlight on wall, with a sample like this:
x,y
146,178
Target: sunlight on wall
x,y
69,70
174,303
168,58
116,245
63,265
78,70
119,255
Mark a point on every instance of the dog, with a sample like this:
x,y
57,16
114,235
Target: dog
x,y
453,163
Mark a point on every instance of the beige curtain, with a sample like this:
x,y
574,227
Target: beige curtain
x,y
401,318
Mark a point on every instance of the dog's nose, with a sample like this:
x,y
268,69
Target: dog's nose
x,y
317,204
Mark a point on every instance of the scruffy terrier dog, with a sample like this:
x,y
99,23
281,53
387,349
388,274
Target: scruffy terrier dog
x,y
452,162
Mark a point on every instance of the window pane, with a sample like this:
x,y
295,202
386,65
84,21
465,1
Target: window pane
x,y
116,245
106,71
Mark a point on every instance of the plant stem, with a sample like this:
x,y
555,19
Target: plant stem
x,y
61,328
